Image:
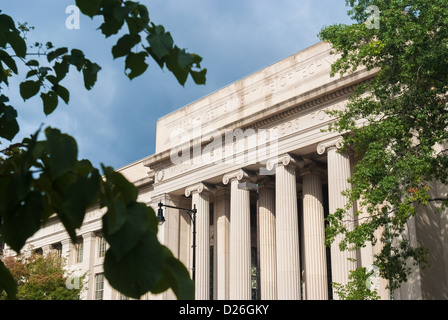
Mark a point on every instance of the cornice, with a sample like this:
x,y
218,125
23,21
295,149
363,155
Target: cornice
x,y
162,159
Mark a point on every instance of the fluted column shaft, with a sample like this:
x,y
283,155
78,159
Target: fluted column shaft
x,y
200,200
267,242
339,171
287,233
314,237
240,246
221,245
202,272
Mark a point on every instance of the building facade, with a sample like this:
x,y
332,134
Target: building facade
x,y
254,161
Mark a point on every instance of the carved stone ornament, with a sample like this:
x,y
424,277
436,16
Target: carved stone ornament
x,y
159,175
199,188
284,160
238,175
334,143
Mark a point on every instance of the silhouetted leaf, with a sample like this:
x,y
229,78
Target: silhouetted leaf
x,y
135,62
29,89
50,101
63,151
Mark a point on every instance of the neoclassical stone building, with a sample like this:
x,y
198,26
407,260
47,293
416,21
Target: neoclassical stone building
x,y
253,160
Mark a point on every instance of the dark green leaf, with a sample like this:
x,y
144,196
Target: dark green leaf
x,y
122,188
17,43
172,63
16,187
63,151
56,53
160,41
176,277
111,25
6,23
124,45
79,196
143,13
32,63
124,226
7,282
50,101
121,12
8,60
135,62
62,92
89,7
24,221
90,73
32,73
61,68
77,58
139,270
29,89
199,76
8,122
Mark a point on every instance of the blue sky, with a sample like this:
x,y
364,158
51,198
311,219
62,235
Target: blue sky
x,y
115,122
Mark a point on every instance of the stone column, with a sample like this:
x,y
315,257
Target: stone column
x,y
88,261
222,239
267,242
67,252
338,173
240,246
200,200
315,261
287,227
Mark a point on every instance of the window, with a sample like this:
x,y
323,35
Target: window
x,y
101,246
99,286
79,250
58,248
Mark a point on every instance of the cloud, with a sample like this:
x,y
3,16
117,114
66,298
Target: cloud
x,y
115,122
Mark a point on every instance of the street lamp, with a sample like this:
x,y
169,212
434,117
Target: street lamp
x,y
192,215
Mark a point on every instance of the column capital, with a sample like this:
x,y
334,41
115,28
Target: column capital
x,y
333,143
239,175
88,235
284,160
199,188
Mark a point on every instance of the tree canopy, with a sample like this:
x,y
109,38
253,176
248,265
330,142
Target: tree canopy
x,y
43,277
400,148
42,175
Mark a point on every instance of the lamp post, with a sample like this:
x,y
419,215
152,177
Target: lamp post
x,y
192,215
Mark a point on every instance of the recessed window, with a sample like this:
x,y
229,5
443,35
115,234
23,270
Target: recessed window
x,y
99,286
79,250
101,247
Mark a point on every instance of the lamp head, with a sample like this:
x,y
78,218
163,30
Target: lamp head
x,y
160,214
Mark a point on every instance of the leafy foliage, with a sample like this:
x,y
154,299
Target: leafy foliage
x,y
401,145
356,288
40,178
41,277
